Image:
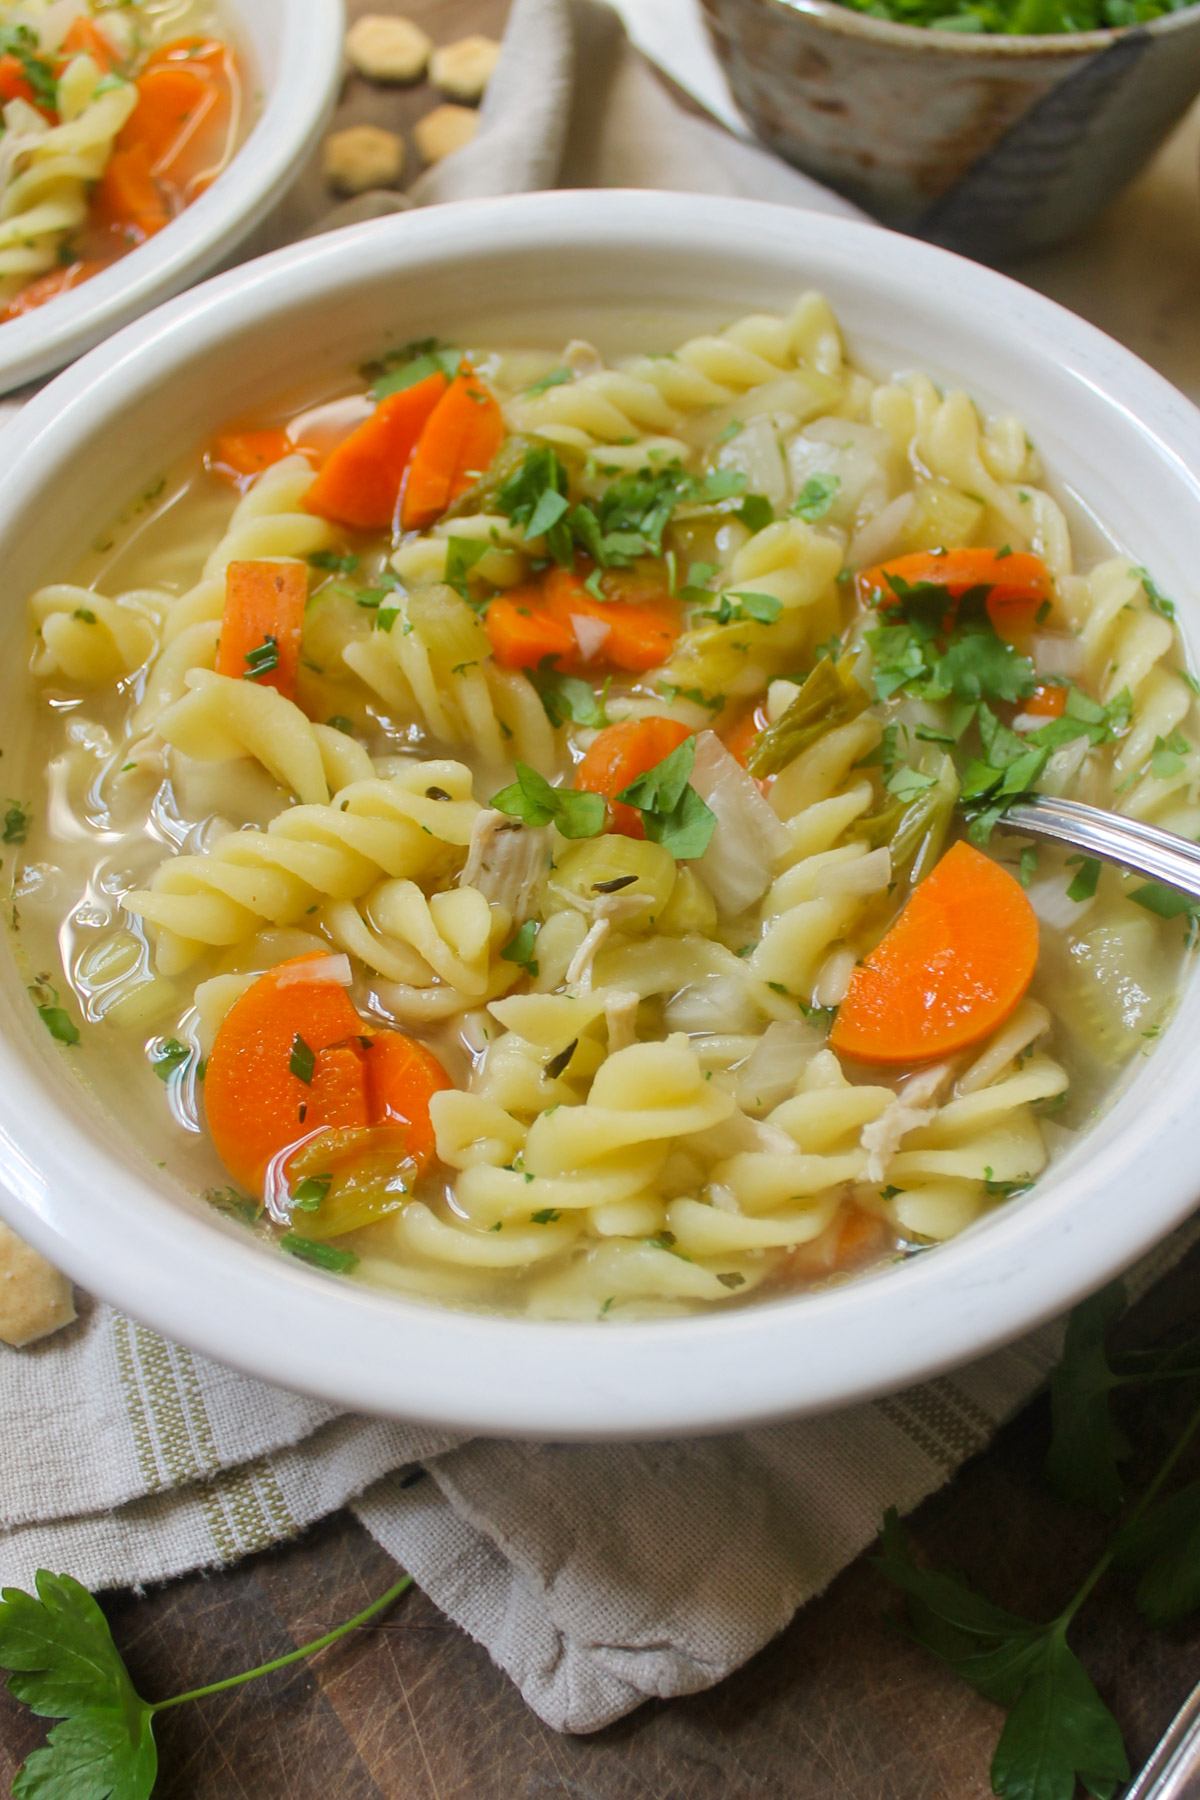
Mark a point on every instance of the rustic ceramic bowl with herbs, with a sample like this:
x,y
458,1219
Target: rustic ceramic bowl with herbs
x,y
988,143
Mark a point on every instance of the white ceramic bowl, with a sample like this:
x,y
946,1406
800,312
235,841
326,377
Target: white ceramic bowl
x,y
294,52
625,267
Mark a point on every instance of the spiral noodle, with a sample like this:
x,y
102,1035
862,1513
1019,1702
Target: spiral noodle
x,y
312,853
435,954
651,394
45,170
91,640
434,663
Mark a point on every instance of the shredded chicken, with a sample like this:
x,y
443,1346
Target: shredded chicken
x,y
507,862
579,969
620,1013
881,1137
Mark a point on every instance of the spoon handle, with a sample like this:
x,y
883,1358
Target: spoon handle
x,y
1171,1773
1161,855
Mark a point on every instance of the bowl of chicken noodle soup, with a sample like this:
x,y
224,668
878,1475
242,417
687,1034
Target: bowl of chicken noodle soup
x,y
510,919
121,168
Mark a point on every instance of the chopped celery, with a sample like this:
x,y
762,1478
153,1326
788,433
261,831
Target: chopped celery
x,y
913,830
830,696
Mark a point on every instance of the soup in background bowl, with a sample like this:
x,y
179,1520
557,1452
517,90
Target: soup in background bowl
x,y
586,961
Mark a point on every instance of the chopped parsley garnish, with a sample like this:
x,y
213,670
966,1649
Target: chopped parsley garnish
x,y
167,1056
556,378
17,820
1086,879
816,497
22,42
308,1194
386,617
1158,600
56,1019
262,659
733,608
756,512
321,1256
919,650
673,814
532,799
302,1061
401,369
339,722
461,556
549,1215
519,948
1167,757
333,562
568,697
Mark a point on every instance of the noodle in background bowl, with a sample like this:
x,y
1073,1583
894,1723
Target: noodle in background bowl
x,y
630,270
291,52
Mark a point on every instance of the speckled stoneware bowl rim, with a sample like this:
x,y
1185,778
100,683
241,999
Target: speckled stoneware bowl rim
x,y
846,22
72,1181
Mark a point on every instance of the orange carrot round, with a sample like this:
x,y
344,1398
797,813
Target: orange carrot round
x,y
618,755
535,621
127,198
458,444
950,971
237,456
523,630
49,287
85,38
285,1028
262,623
1048,702
359,483
1017,576
738,739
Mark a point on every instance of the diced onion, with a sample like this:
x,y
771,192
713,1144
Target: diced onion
x,y
880,534
590,634
1057,653
1050,902
780,1057
756,454
318,969
749,839
714,1003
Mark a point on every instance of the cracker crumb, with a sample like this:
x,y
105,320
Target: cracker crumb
x,y
463,69
362,157
34,1298
388,49
444,130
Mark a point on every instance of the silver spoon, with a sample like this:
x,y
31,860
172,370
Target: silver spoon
x,y
1171,1773
1161,855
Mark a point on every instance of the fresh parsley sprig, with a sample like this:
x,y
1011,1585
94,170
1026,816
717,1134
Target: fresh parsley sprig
x,y
64,1665
532,799
1059,1732
673,814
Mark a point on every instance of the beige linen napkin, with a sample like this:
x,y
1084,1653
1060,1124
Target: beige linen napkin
x,y
596,1576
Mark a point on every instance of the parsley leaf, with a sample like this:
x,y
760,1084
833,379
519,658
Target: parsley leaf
x,y
549,1215
1087,1443
519,948
556,378
1165,1543
332,562
1158,600
1167,757
1167,902
56,1019
22,42
567,696
167,1056
673,814
1058,1728
756,512
402,369
816,497
461,556
1086,880
302,1061
17,821
532,799
536,495
732,608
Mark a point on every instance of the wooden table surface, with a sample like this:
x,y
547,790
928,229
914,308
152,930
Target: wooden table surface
x,y
840,1707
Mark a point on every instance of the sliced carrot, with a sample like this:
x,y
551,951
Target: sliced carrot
x,y
49,287
402,1078
1048,702
234,456
359,484
741,735
619,755
84,38
14,84
259,1104
523,630
1019,575
127,196
187,94
533,622
174,99
459,442
262,622
853,1239
252,1097
949,972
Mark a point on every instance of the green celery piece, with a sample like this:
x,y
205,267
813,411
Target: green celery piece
x,y
830,697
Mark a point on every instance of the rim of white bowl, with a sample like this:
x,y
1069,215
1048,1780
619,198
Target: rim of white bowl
x,y
299,101
192,1277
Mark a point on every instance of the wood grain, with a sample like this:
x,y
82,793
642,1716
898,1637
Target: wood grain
x,y
840,1707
